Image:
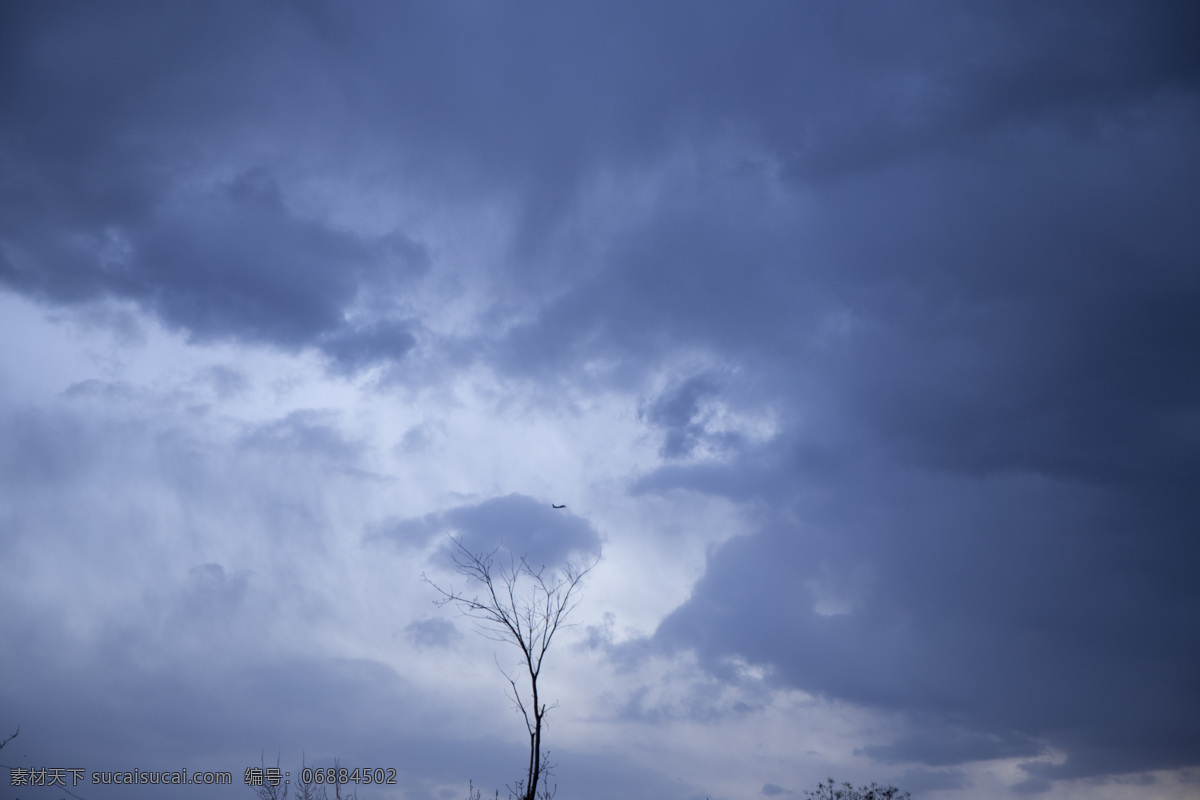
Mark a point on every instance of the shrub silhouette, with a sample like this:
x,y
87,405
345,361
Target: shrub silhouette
x,y
828,790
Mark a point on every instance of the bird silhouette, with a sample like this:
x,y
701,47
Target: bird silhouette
x,y
554,506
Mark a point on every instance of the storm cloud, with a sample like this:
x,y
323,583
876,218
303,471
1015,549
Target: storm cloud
x,y
860,342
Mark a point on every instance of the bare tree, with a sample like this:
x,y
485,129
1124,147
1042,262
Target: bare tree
x,y
268,790
337,784
831,791
305,789
525,607
476,794
10,738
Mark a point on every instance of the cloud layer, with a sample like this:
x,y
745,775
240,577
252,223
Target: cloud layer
x,y
861,342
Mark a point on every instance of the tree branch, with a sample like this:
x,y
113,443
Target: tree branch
x,y
527,620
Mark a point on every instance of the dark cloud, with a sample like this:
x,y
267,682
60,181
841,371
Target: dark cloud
x,y
679,414
951,248
526,528
1032,786
116,186
939,747
912,592
704,698
675,413
514,524
113,148
928,780
220,266
985,361
356,349
431,632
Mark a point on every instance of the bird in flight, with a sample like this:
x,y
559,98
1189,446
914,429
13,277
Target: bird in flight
x,y
554,506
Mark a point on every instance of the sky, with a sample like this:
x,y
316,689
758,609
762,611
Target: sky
x,y
860,341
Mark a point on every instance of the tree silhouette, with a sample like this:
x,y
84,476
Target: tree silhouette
x,y
831,791
525,607
305,789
